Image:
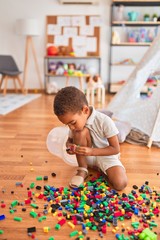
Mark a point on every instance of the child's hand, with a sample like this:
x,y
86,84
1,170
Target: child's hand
x,y
85,151
70,148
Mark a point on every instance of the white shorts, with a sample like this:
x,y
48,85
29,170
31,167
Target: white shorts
x,y
104,162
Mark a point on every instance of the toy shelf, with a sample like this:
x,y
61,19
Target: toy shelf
x,y
88,61
135,23
131,36
71,57
76,39
138,3
132,44
66,75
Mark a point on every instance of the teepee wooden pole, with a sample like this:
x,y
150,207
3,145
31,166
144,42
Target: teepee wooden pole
x,y
154,129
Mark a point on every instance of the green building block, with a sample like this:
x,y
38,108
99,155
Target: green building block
x,y
34,205
40,219
81,236
14,203
51,238
146,234
74,233
57,226
1,231
11,211
153,224
135,224
32,185
39,178
33,214
18,219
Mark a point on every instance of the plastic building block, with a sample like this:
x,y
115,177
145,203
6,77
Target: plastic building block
x,y
18,219
29,194
45,178
32,185
3,205
53,174
27,201
38,187
115,222
46,229
2,217
19,184
74,233
34,205
31,229
14,203
147,234
40,219
62,222
1,231
33,214
57,226
39,178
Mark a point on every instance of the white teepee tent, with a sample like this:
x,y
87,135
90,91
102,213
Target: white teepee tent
x,y
127,105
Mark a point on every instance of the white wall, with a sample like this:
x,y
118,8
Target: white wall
x,y
13,44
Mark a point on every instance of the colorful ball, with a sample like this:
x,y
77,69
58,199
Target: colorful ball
x,y
52,51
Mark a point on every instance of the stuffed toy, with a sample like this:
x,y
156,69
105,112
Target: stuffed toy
x,y
115,37
63,51
52,67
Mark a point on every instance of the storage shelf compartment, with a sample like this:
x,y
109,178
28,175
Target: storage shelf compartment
x,y
137,3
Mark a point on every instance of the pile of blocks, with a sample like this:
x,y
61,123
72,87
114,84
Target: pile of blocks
x,y
91,207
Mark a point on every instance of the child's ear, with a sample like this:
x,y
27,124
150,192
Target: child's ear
x,y
85,109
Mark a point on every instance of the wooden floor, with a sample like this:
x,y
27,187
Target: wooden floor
x,y
24,156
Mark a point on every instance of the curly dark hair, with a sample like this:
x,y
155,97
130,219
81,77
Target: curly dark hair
x,y
69,99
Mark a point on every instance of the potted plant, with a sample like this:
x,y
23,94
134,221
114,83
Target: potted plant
x,y
146,17
154,17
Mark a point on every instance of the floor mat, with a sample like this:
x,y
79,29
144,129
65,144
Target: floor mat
x,y
10,102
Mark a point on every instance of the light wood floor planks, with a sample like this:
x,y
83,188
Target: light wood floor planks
x,y
24,156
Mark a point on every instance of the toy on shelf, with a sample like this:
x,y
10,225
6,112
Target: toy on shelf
x,y
60,69
52,50
71,68
142,35
63,51
133,16
52,66
95,85
66,69
119,13
72,53
146,17
82,68
154,17
150,35
128,61
115,37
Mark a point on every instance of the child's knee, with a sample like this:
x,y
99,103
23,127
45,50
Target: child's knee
x,y
119,184
82,137
117,177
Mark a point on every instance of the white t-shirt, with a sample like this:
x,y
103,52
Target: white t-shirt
x,y
101,127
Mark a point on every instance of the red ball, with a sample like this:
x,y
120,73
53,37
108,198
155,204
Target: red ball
x,y
52,51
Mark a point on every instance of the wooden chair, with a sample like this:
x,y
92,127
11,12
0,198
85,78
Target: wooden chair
x,y
9,70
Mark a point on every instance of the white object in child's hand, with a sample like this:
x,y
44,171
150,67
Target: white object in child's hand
x,y
56,144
